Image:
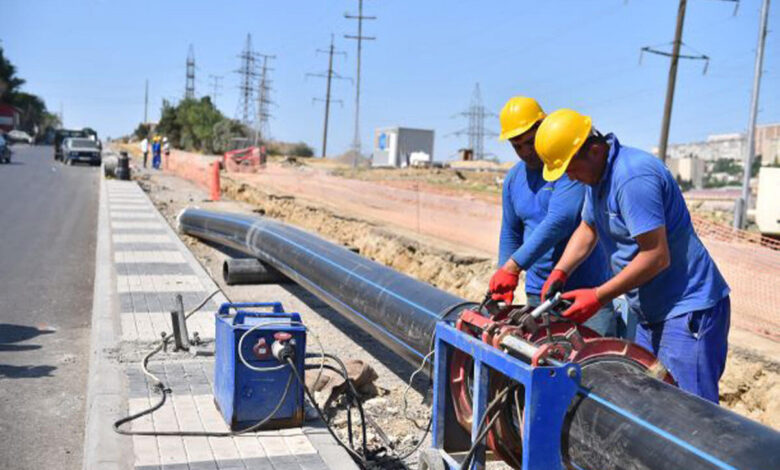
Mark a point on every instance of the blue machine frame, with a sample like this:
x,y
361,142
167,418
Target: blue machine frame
x,y
548,394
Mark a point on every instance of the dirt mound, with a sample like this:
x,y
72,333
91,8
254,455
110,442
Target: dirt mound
x,y
750,386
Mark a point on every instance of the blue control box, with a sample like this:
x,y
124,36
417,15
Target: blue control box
x,y
245,396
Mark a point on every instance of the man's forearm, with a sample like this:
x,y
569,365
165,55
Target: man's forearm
x,y
581,243
644,267
652,258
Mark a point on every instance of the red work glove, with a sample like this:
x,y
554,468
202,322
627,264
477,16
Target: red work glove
x,y
554,283
503,285
585,305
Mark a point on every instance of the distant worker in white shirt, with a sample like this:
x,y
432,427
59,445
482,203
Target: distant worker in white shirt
x,y
145,149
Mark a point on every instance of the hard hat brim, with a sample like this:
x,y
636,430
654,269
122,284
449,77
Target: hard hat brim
x,y
510,134
554,174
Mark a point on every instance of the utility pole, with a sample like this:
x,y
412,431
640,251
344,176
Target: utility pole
x,y
675,56
671,81
146,101
476,132
189,88
245,109
263,100
356,145
740,217
215,87
329,76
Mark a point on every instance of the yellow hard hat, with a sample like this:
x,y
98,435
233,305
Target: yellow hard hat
x,y
559,138
518,115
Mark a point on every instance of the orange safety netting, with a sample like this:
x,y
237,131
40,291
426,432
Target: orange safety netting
x,y
751,265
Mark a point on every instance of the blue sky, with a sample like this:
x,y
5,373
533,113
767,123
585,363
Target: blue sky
x,y
93,57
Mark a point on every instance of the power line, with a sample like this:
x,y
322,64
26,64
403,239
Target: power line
x,y
356,145
329,76
672,80
245,108
215,87
262,132
476,132
189,87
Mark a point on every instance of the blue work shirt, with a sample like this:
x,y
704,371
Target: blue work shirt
x,y
538,219
637,194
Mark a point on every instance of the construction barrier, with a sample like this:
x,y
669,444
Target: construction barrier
x,y
751,265
193,167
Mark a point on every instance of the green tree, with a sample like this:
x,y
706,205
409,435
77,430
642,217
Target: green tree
x,y
142,131
32,108
9,82
197,119
198,125
168,126
301,150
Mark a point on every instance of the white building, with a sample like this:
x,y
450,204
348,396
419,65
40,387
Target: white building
x,y
393,146
689,169
731,146
716,147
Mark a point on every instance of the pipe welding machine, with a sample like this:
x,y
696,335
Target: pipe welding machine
x,y
509,376
253,343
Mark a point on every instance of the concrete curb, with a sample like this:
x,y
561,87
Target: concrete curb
x,y
106,384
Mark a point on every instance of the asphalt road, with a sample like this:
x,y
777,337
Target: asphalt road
x,y
48,218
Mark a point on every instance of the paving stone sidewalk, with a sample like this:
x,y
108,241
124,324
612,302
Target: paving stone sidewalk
x,y
150,265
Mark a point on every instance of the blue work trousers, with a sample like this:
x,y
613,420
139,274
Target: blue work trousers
x,y
692,347
156,160
604,322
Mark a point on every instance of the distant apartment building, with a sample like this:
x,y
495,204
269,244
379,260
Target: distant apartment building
x,y
768,143
690,169
731,146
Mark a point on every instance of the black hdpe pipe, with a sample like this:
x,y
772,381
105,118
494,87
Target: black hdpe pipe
x,y
622,419
400,311
250,271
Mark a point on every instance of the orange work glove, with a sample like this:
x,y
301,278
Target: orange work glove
x,y
503,285
585,304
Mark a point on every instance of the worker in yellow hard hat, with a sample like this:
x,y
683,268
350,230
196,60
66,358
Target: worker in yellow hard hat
x,y
634,207
156,152
538,218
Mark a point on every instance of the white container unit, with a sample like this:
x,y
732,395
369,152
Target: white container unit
x,y
394,146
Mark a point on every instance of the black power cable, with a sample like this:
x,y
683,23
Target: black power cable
x,y
354,393
485,425
166,391
356,456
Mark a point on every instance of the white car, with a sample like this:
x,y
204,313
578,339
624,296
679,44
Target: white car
x,y
19,136
80,149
